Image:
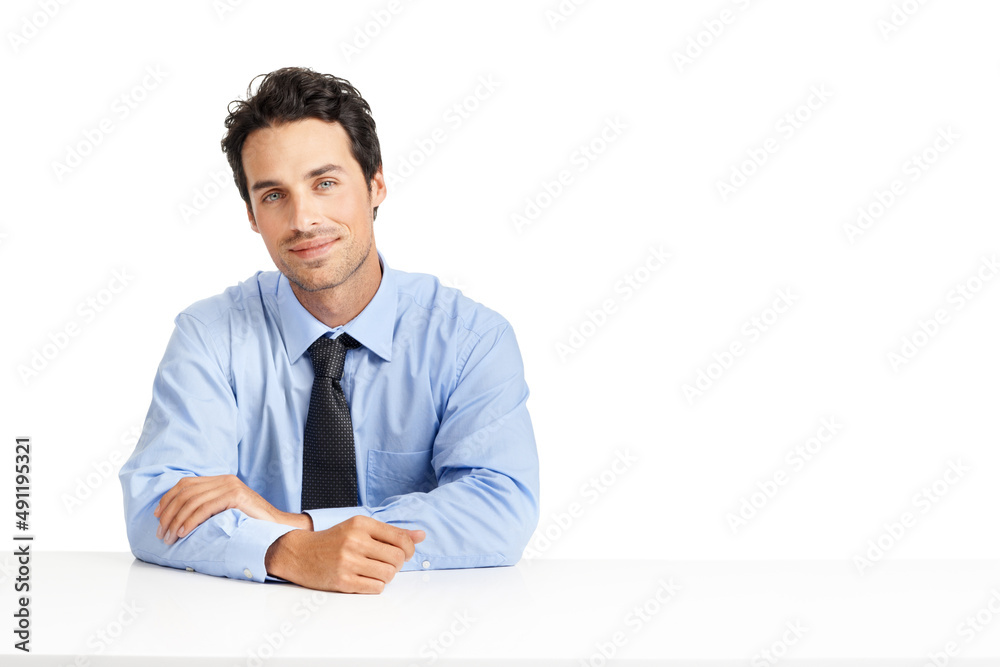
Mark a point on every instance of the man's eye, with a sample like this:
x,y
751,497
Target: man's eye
x,y
330,183
268,196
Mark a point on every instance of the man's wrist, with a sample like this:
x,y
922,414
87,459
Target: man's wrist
x,y
301,521
280,556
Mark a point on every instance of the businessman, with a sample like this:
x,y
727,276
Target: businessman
x,y
337,420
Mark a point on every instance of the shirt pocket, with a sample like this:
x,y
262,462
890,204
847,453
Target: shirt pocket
x,y
397,473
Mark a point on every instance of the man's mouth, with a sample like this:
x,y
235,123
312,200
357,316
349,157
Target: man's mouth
x,y
313,247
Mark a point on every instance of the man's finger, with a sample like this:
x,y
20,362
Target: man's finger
x,y
212,494
377,570
385,553
172,508
166,506
166,514
207,507
187,505
166,499
397,537
366,585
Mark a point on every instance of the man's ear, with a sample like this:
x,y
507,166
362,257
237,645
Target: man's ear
x,y
377,188
253,222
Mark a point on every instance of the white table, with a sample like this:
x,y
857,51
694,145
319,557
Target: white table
x,y
108,608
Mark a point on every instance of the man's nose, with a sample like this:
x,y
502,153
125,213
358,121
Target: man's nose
x,y
305,212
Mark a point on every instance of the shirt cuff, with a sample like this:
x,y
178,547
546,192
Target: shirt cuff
x,y
423,561
248,546
329,517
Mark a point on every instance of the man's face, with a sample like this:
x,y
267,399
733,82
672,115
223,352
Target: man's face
x,y
310,202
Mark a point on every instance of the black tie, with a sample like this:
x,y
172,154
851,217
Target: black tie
x,y
329,473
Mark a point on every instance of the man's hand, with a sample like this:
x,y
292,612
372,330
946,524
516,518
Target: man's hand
x,y
359,555
194,499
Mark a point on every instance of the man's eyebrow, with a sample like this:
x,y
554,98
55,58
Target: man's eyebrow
x,y
326,168
318,171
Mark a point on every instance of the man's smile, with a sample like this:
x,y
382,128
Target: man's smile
x,y
313,247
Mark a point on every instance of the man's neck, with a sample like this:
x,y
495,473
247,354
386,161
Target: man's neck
x,y
339,305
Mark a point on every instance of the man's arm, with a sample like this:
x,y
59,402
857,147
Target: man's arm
x,y
191,431
185,507
193,499
359,555
485,466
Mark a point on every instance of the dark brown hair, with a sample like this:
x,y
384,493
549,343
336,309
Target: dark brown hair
x,y
293,93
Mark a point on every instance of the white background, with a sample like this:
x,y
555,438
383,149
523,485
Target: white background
x,y
143,201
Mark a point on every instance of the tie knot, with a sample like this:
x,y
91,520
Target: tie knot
x,y
328,354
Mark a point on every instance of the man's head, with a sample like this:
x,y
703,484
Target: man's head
x,y
293,93
307,162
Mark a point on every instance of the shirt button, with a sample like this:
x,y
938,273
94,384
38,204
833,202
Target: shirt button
x,y
426,564
247,573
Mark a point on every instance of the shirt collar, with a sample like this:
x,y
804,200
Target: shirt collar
x,y
372,327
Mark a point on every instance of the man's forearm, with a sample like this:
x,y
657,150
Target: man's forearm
x,y
195,498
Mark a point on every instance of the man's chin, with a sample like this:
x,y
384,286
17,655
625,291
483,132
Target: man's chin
x,y
310,285
309,279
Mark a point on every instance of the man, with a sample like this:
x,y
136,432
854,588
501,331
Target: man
x,y
335,421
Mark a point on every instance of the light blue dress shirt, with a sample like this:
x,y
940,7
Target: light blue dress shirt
x,y
437,396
